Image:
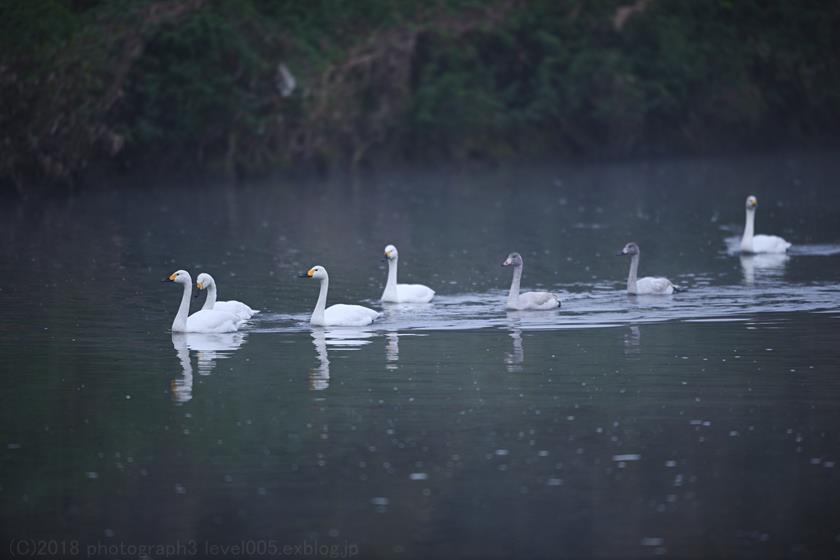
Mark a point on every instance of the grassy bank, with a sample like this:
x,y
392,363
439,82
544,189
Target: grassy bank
x,y
244,87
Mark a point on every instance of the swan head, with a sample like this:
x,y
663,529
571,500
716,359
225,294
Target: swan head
x,y
752,202
317,272
630,249
391,253
513,259
179,277
204,281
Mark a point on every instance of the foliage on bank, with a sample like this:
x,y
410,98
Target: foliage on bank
x,y
244,87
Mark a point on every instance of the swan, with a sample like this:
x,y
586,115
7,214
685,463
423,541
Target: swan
x,y
759,243
649,284
402,293
205,320
338,314
206,282
528,300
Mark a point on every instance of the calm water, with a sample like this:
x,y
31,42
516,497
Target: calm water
x,y
699,425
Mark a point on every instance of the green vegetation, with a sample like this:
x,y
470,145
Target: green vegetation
x,y
204,83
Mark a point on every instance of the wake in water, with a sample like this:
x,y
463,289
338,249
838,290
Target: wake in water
x,y
605,305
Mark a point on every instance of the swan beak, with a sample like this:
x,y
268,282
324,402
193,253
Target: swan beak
x,y
199,285
308,274
506,262
620,253
170,278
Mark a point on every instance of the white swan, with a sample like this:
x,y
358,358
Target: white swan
x,y
649,284
402,293
759,243
206,282
205,320
338,314
528,300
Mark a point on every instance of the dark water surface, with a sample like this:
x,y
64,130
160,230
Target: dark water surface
x,y
704,424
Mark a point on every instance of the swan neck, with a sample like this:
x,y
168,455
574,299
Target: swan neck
x,y
320,306
180,322
391,284
211,297
634,271
514,285
749,229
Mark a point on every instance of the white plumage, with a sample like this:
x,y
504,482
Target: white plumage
x,y
402,293
751,243
241,310
339,314
203,321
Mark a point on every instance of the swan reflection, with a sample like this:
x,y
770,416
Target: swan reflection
x,y
632,341
392,350
514,360
208,348
337,338
181,389
763,266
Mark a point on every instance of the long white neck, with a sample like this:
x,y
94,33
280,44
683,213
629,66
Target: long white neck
x,y
513,296
749,229
634,270
211,297
318,314
180,322
390,291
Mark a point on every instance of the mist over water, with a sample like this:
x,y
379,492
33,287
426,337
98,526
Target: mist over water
x,y
705,423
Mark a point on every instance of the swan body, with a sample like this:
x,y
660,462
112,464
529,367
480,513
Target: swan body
x,y
339,314
649,285
751,243
203,321
402,293
206,282
528,300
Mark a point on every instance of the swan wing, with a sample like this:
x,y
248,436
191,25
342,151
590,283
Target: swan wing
x,y
414,293
769,244
654,285
212,321
538,300
349,315
235,308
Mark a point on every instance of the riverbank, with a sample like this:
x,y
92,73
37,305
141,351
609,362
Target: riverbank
x,y
249,88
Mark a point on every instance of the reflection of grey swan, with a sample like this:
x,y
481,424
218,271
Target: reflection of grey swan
x,y
632,341
402,293
759,243
392,350
182,388
319,378
769,264
205,320
514,360
649,284
338,314
206,282
528,300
